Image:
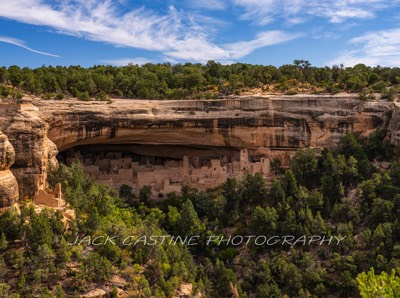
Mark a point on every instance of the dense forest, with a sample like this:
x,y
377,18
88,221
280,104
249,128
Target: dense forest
x,y
179,81
353,192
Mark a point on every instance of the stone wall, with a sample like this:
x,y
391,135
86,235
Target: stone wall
x,y
173,174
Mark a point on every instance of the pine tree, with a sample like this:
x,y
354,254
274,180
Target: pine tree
x,y
189,223
3,242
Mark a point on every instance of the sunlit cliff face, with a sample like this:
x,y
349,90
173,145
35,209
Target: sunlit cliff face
x,y
212,131
274,127
252,123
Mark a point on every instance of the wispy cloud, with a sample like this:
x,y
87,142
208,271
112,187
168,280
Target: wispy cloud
x,y
126,61
228,52
22,44
266,11
175,34
320,34
243,48
373,48
209,4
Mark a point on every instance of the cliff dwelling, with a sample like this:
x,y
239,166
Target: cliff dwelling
x,y
164,145
164,168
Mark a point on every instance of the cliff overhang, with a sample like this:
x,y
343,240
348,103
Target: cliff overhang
x,y
265,126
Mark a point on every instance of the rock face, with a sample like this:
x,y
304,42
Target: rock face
x,y
393,130
255,123
270,127
7,153
34,152
8,183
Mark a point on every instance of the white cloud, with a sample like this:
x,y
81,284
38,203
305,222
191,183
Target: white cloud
x,y
338,11
318,34
373,48
176,34
126,61
243,48
226,53
22,44
209,4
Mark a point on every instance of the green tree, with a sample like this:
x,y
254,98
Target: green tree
x,y
389,93
125,193
3,269
264,221
223,280
5,291
59,292
304,166
290,184
347,285
10,224
21,284
96,268
3,242
189,223
277,194
384,285
41,230
254,190
173,219
276,167
140,287
144,193
84,96
232,191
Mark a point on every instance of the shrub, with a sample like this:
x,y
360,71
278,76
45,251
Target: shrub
x,y
102,96
97,268
60,96
84,96
389,93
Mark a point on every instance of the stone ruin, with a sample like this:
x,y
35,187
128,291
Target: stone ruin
x,y
50,198
162,174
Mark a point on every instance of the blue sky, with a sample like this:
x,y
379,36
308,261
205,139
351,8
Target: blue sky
x,y
269,32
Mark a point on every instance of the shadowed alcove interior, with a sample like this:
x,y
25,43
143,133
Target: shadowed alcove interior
x,y
163,167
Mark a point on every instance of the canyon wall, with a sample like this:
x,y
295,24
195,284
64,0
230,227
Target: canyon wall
x,y
253,123
270,127
8,183
31,151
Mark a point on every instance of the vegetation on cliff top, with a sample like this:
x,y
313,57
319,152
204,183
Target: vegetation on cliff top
x,y
213,80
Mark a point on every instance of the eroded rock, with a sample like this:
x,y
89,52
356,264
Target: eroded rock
x,y
27,134
8,183
7,153
273,127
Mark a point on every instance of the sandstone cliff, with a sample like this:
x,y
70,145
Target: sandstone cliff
x,y
8,183
34,152
255,123
393,130
270,126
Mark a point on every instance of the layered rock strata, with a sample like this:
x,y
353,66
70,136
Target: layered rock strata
x,y
34,152
268,127
254,123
